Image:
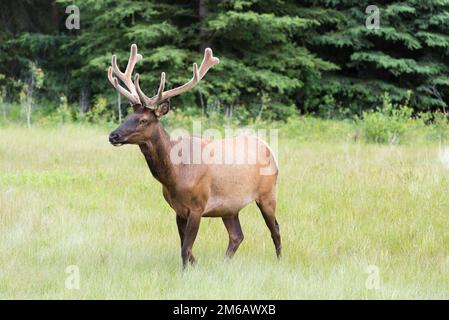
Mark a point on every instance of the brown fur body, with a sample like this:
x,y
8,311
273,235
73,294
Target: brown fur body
x,y
208,189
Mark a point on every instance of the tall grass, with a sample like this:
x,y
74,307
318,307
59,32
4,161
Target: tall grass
x,y
69,198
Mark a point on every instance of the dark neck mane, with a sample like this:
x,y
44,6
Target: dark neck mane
x,y
157,154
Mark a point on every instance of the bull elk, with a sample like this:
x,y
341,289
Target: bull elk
x,y
212,189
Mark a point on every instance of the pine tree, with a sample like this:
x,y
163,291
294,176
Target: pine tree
x,y
252,38
27,30
277,55
260,59
409,52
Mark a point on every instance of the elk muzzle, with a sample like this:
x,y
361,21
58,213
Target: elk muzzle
x,y
114,139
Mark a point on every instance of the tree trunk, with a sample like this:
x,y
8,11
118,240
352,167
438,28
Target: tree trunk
x,y
84,100
30,100
203,12
4,104
54,15
28,107
200,102
119,107
4,110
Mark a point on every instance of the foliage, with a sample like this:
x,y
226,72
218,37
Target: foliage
x,y
410,51
99,112
387,124
313,56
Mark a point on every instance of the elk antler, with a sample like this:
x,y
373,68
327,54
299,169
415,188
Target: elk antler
x,y
126,77
208,62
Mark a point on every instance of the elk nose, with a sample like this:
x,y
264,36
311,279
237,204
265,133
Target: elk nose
x,y
113,137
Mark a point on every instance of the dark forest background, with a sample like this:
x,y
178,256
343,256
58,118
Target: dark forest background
x,y
278,57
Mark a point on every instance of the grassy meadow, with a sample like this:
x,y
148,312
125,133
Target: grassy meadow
x,y
68,198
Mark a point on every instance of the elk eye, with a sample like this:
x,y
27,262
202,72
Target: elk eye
x,y
143,121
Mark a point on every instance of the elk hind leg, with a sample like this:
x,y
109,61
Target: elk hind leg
x,y
235,232
267,206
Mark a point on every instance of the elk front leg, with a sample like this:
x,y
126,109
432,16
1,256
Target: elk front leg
x,y
190,232
182,222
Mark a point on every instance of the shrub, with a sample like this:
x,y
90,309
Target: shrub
x,y
99,113
441,126
388,124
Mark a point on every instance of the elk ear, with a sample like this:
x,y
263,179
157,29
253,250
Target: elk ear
x,y
162,108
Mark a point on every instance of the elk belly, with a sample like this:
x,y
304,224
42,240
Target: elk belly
x,y
201,311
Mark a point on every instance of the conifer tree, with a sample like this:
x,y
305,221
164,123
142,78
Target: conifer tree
x,y
408,53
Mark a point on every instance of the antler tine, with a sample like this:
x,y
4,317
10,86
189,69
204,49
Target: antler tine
x,y
208,62
134,57
118,87
131,94
139,91
198,73
160,91
147,101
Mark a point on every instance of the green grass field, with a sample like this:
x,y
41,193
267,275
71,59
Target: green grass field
x,y
67,197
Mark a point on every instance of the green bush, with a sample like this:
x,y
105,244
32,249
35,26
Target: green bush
x,y
388,124
99,113
441,126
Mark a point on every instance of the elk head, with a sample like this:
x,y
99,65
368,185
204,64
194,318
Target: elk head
x,y
138,126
